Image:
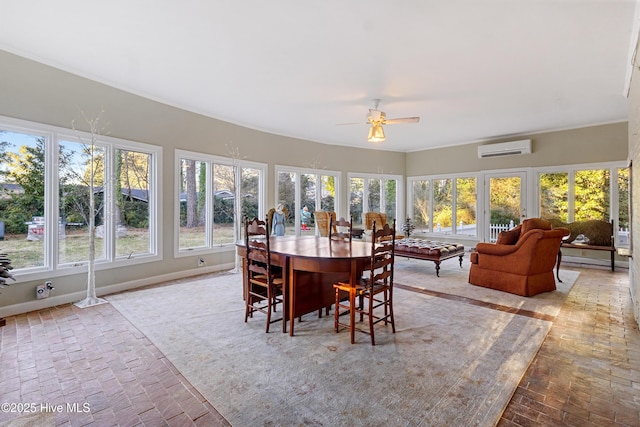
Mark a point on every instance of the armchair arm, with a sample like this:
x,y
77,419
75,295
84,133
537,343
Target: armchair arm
x,y
495,249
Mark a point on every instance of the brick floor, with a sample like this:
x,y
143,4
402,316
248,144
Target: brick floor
x,y
587,372
94,356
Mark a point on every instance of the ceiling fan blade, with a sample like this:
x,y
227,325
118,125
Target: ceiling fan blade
x,y
402,120
352,123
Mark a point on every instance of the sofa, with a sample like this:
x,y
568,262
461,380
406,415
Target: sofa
x,y
592,234
521,261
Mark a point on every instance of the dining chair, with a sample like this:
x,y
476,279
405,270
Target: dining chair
x,y
264,282
375,286
323,221
340,229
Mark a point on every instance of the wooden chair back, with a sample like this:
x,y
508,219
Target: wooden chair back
x,y
323,221
382,255
378,217
257,247
263,287
340,229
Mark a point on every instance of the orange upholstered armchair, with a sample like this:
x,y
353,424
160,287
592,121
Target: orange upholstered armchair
x,y
521,261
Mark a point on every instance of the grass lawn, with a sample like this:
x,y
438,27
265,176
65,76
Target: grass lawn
x,y
75,246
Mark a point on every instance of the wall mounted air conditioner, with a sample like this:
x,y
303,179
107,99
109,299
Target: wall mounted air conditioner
x,y
505,149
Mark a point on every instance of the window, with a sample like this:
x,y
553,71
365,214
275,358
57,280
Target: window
x,y
356,200
298,189
554,195
75,186
22,196
444,204
592,192
376,193
213,196
46,179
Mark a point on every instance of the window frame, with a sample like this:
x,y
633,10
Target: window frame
x,y
454,202
278,169
400,193
614,193
53,135
210,160
532,197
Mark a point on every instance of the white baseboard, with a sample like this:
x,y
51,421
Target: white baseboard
x,y
52,301
577,260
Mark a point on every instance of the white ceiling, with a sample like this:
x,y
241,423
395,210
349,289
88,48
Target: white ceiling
x,y
471,69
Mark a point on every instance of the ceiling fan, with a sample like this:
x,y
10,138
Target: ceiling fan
x,y
377,119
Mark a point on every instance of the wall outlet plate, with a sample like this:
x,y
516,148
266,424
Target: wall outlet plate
x,y
42,291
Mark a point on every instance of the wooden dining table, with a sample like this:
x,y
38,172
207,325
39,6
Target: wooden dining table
x,y
311,265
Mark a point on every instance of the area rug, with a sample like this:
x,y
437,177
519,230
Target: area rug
x,y
448,363
32,419
455,281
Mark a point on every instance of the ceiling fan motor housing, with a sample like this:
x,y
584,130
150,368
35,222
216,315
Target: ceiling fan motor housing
x,y
376,116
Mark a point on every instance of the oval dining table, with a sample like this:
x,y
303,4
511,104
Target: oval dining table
x,y
311,266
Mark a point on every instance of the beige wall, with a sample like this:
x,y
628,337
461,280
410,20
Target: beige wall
x,y
38,93
584,145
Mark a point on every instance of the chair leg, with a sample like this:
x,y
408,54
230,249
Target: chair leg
x,y
269,309
352,315
370,314
247,304
393,321
337,312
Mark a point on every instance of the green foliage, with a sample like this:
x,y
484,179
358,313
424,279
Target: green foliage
x,y
249,207
502,216
444,216
74,217
554,195
592,195
623,205
135,213
14,218
223,210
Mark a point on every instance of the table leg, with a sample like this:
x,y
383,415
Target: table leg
x,y
613,264
285,293
292,297
558,265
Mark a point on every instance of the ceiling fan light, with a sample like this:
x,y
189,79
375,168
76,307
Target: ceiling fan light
x,y
376,134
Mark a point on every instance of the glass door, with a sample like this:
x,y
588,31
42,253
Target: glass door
x,y
505,203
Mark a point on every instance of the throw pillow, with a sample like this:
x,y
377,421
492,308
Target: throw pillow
x,y
509,237
533,223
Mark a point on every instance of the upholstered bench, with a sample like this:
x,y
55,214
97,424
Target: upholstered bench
x,y
429,250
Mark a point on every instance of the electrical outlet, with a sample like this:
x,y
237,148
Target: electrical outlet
x,y
42,291
201,262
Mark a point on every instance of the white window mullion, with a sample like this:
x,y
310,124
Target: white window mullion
x,y
51,201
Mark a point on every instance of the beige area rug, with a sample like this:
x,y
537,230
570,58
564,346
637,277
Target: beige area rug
x,y
36,419
449,363
455,280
